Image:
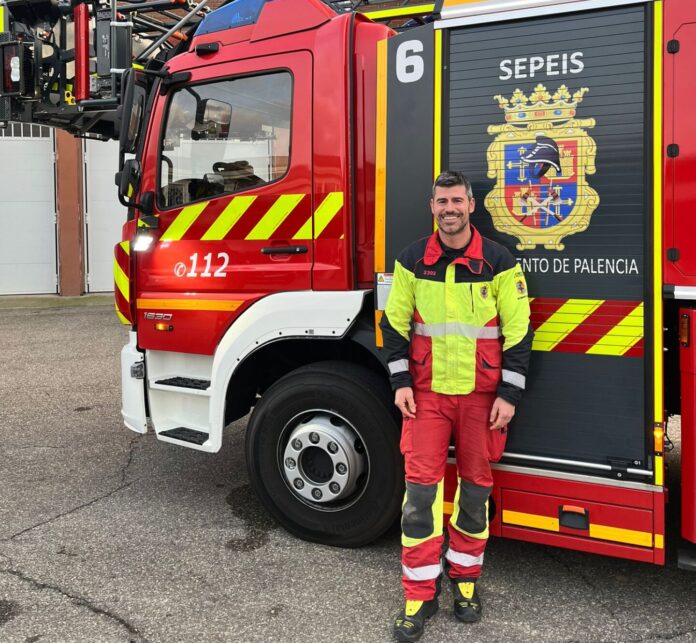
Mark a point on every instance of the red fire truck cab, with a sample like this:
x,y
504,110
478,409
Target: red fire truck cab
x,y
256,290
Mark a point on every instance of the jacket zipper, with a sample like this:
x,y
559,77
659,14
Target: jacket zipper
x,y
471,292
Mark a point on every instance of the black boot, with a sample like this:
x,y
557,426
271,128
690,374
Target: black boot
x,y
409,624
467,604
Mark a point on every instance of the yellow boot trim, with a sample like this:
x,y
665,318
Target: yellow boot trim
x,y
466,589
412,607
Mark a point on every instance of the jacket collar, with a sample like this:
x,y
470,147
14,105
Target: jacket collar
x,y
472,257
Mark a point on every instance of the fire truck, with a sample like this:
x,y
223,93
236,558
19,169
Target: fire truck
x,y
275,157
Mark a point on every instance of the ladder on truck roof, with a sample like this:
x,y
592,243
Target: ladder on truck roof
x,y
63,61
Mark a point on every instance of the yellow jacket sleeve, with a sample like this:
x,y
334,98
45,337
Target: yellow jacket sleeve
x,y
513,310
396,325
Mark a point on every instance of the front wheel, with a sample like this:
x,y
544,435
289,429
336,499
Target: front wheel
x,y
322,450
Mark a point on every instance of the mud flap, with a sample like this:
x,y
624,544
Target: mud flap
x,y
133,386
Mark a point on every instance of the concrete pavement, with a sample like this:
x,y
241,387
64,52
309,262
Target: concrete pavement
x,y
109,536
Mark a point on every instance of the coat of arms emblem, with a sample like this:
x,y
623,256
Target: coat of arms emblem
x,y
541,157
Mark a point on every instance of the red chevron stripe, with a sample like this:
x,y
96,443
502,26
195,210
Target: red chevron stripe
x,y
635,351
542,309
205,219
596,326
335,228
122,259
252,216
295,220
122,305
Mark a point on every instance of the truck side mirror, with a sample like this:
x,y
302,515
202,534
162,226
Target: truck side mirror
x,y
132,110
128,181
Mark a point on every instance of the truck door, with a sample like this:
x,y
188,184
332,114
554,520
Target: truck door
x,y
683,187
232,178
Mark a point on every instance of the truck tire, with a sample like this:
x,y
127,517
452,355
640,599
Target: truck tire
x,y
322,451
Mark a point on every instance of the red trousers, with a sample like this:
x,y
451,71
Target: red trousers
x,y
424,443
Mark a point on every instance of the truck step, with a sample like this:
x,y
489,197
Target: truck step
x,y
186,435
185,382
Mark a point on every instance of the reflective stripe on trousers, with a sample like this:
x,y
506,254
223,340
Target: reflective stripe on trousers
x,y
427,572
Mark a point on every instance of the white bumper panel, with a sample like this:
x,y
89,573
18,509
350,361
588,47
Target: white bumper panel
x,y
280,316
132,389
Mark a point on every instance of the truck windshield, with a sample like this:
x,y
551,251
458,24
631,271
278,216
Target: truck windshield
x,y
224,137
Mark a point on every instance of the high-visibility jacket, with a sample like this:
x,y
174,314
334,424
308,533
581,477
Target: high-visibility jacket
x,y
457,325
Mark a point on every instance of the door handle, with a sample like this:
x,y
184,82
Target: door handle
x,y
284,250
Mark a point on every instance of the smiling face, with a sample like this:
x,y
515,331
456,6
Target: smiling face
x,y
451,208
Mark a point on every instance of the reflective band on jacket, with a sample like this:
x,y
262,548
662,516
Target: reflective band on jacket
x,y
457,328
514,378
465,560
427,572
399,366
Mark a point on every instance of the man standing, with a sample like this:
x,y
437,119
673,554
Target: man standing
x,y
457,338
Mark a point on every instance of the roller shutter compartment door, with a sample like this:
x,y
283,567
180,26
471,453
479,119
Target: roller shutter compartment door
x,y
27,211
547,116
104,215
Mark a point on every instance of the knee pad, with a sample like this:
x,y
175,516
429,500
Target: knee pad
x,y
472,508
418,515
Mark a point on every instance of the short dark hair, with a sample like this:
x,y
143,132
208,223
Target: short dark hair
x,y
450,179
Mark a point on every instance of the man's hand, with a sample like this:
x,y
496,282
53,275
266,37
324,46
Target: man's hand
x,y
501,413
405,402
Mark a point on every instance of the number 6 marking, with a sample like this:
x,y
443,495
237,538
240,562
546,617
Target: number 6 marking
x,y
409,66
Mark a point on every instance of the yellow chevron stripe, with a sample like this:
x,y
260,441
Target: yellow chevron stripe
x,y
126,246
279,211
189,304
183,221
566,319
120,316
121,281
323,215
227,219
626,334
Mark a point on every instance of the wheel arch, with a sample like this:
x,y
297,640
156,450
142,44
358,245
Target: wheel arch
x,y
246,367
